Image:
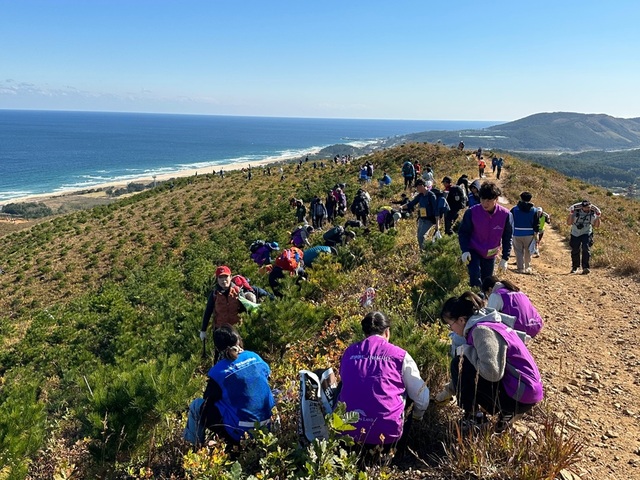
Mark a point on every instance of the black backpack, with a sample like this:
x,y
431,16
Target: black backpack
x,y
253,248
359,205
456,198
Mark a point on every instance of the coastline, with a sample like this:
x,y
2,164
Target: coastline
x,y
96,194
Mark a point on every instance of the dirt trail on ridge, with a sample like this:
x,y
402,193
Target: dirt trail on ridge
x,y
588,355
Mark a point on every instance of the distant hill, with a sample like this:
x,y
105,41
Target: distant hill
x,y
544,132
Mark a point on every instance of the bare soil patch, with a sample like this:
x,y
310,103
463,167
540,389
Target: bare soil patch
x,y
588,356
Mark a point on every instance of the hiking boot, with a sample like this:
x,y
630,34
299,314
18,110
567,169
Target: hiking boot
x,y
574,270
506,420
528,271
585,271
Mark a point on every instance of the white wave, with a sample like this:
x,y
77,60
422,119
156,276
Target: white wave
x,y
10,194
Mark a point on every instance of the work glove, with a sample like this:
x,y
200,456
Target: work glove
x,y
502,267
203,335
466,257
444,396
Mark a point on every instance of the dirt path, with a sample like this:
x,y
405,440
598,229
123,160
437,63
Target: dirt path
x,y
588,357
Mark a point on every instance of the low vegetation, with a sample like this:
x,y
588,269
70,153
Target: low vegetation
x,y
100,313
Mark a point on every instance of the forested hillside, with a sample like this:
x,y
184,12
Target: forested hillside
x,y
546,132
618,170
101,310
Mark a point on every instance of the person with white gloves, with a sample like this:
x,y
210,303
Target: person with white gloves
x,y
485,230
492,367
378,378
223,303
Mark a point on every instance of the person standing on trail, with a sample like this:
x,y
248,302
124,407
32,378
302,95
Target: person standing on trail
x,y
499,165
408,173
457,200
492,369
526,224
483,230
427,210
545,218
582,217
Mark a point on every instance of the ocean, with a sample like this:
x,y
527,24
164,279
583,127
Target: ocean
x,y
45,152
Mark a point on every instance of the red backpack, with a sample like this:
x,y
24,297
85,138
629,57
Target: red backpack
x,y
242,282
289,259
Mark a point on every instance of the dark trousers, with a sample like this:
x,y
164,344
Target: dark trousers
x,y
449,219
479,268
577,243
472,391
362,217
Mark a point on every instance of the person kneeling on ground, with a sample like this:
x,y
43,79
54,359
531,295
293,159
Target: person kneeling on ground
x,y
337,236
311,254
505,297
237,396
493,369
377,377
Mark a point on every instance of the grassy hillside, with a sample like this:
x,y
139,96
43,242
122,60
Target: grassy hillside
x,y
550,132
618,170
101,310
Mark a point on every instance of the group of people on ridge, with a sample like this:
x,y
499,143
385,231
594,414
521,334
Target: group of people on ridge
x,y
492,371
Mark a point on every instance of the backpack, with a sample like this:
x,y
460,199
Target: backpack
x,y
297,237
456,198
290,259
359,206
253,248
242,282
408,169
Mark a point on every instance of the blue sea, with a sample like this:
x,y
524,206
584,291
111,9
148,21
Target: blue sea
x,y
44,152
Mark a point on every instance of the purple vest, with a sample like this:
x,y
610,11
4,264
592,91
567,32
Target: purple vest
x,y
372,385
487,230
521,380
518,305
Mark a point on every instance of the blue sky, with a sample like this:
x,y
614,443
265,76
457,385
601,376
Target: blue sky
x,y
445,60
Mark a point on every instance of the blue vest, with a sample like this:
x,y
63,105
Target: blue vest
x,y
523,222
246,396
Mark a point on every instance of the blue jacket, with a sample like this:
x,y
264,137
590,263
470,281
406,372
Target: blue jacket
x,y
427,205
244,396
312,253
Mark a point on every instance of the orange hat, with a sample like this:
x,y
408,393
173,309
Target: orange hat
x,y
223,270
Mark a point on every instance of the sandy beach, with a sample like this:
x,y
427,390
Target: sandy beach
x,y
93,195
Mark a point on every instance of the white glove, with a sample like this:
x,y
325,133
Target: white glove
x,y
502,267
203,335
466,257
444,396
460,350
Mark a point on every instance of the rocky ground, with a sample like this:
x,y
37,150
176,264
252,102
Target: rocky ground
x,y
588,356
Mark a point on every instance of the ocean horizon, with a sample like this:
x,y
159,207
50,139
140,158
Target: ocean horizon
x,y
50,152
